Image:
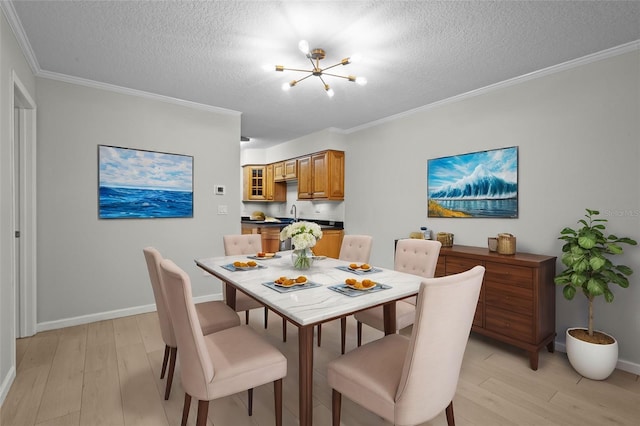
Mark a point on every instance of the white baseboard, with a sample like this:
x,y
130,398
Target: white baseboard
x,y
6,384
628,366
119,313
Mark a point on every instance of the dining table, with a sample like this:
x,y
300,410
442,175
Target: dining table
x,y
324,296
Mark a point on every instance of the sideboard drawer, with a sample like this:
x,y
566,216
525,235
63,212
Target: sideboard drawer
x,y
519,327
509,274
508,297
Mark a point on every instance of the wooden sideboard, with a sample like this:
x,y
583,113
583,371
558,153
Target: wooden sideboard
x,y
517,303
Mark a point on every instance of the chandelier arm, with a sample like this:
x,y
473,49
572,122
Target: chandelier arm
x,y
296,69
304,78
332,66
336,75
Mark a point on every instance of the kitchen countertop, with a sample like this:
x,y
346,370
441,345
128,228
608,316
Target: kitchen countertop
x,y
324,224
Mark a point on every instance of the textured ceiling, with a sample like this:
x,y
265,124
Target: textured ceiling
x,y
413,53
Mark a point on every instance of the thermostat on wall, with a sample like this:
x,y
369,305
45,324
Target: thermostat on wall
x,y
219,190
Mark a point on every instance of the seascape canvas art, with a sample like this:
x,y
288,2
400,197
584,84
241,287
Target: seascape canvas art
x,y
134,183
477,184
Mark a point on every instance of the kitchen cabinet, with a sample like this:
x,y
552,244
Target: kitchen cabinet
x,y
259,184
321,176
285,170
330,243
270,236
517,303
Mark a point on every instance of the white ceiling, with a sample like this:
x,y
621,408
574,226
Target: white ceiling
x,y
413,53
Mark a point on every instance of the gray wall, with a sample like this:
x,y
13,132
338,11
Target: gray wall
x,y
12,60
90,268
579,141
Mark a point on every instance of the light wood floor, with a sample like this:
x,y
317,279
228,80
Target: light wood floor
x,y
107,373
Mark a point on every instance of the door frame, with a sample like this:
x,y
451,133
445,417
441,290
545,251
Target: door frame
x,y
23,101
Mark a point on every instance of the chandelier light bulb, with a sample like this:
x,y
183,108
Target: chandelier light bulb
x,y
304,46
361,81
286,87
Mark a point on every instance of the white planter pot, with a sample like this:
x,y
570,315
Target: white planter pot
x,y
591,360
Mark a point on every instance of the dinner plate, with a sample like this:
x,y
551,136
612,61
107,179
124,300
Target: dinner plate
x,y
256,257
362,289
360,269
246,268
292,285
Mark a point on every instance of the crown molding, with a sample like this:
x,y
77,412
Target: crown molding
x,y
21,36
594,57
133,92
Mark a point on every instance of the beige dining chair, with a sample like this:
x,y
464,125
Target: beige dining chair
x,y
237,245
357,249
410,380
213,316
222,363
413,256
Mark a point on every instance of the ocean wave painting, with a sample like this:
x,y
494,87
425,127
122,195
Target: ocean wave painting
x,y
136,183
478,184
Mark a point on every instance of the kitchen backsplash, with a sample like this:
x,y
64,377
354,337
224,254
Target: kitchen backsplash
x,y
321,210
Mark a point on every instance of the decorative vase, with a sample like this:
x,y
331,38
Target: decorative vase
x,y
302,259
593,361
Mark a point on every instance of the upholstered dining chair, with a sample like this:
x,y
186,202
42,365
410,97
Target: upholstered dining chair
x,y
213,316
357,249
237,245
413,256
222,363
410,380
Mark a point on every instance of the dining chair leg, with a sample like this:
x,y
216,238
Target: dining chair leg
x,y
319,334
164,361
266,317
173,354
343,334
359,332
250,401
284,330
203,412
246,316
185,409
277,393
449,412
336,406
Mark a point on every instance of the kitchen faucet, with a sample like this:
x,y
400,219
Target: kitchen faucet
x,y
294,212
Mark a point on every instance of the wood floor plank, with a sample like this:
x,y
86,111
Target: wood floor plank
x,y
100,333
149,327
126,331
63,392
71,419
21,404
21,348
141,400
40,351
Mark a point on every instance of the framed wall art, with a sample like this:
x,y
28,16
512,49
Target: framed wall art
x,y
135,183
477,184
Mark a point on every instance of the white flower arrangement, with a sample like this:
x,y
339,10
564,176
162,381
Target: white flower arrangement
x,y
303,234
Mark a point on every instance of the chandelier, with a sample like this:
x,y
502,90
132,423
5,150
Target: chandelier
x,y
315,56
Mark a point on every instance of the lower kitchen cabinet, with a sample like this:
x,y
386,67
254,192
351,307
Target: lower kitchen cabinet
x,y
330,243
517,303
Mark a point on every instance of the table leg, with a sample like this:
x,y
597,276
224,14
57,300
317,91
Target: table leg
x,y
230,295
389,311
305,357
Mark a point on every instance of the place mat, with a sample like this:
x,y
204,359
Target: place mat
x,y
280,289
358,271
254,257
232,268
348,291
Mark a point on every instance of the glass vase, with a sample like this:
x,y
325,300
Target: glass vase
x,y
302,259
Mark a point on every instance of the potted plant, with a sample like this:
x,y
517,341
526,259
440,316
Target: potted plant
x,y
592,353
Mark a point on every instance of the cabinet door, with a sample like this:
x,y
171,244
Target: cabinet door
x,y
320,175
330,243
254,183
279,173
304,178
291,169
269,183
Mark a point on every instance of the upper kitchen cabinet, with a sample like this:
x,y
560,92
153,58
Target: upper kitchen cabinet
x,y
285,170
259,184
321,176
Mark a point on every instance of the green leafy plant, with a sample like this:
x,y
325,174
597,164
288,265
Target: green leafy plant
x,y
588,268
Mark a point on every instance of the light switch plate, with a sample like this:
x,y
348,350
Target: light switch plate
x,y
219,189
